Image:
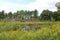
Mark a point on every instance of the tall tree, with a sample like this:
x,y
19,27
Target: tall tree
x,y
10,15
35,13
56,16
2,14
46,15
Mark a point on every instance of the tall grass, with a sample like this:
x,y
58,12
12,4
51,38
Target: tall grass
x,y
8,32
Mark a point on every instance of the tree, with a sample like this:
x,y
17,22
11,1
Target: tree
x,y
10,15
2,14
56,16
35,13
46,15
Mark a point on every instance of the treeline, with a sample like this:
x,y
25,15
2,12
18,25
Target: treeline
x,y
19,15
46,15
49,15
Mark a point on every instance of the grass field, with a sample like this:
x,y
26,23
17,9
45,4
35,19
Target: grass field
x,y
14,31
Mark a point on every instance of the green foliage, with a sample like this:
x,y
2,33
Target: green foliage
x,y
11,31
24,15
9,15
56,15
2,15
50,16
46,15
35,13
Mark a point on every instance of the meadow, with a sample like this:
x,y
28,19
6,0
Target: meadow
x,y
14,31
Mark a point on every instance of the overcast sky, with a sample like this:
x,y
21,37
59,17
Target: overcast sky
x,y
14,5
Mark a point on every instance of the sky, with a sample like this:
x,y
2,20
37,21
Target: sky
x,y
40,5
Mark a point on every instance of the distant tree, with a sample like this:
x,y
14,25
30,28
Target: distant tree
x,y
35,13
46,15
10,15
20,14
23,15
2,14
14,15
56,15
